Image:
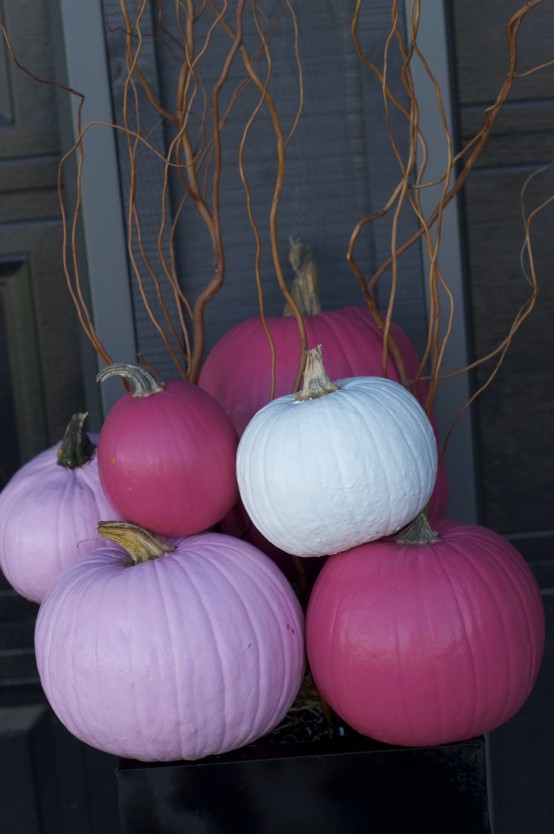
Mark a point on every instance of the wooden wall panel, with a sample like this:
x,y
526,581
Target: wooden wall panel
x,y
515,414
481,53
30,129
513,417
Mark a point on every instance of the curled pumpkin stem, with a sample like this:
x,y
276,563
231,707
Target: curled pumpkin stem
x,y
143,381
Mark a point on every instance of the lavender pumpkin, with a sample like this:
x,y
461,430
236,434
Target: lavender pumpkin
x,y
49,512
157,651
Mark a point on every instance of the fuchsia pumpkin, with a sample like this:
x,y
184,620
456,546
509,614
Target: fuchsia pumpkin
x,y
49,511
194,649
428,643
166,455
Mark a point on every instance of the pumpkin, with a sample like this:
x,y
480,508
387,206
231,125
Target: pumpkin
x,y
49,511
160,651
429,639
336,464
238,369
166,454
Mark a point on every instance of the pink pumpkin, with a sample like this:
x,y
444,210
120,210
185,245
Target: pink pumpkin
x,y
426,643
158,651
49,511
238,369
166,455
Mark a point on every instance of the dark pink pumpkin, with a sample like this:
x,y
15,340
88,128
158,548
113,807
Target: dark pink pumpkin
x,y
166,455
427,643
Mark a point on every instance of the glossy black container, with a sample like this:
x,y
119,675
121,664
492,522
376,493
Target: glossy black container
x,y
347,786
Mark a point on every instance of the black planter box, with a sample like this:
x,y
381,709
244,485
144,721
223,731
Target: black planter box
x,y
347,786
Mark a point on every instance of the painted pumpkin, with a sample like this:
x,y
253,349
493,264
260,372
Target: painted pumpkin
x,y
49,511
337,464
428,640
166,454
157,651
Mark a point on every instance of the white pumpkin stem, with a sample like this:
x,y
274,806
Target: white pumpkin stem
x,y
76,448
316,380
417,532
139,543
304,286
143,382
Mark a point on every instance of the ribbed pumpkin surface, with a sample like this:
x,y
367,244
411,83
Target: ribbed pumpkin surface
x,y
195,653
426,644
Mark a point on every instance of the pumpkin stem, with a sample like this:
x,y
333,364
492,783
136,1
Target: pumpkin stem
x,y
417,532
76,448
316,380
140,544
304,285
143,381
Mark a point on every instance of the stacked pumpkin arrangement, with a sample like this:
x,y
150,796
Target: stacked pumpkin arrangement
x,y
171,641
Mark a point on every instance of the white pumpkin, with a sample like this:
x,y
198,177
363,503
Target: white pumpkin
x,y
336,465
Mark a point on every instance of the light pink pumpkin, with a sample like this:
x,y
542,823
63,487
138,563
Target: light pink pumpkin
x,y
194,653
49,512
166,454
430,643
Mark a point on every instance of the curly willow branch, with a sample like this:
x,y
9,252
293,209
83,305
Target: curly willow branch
x,y
523,313
407,192
281,144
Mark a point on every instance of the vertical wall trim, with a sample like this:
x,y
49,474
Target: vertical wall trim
x,y
433,40
103,227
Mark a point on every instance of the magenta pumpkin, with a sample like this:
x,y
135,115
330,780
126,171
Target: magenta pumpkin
x,y
160,652
429,643
166,455
49,511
